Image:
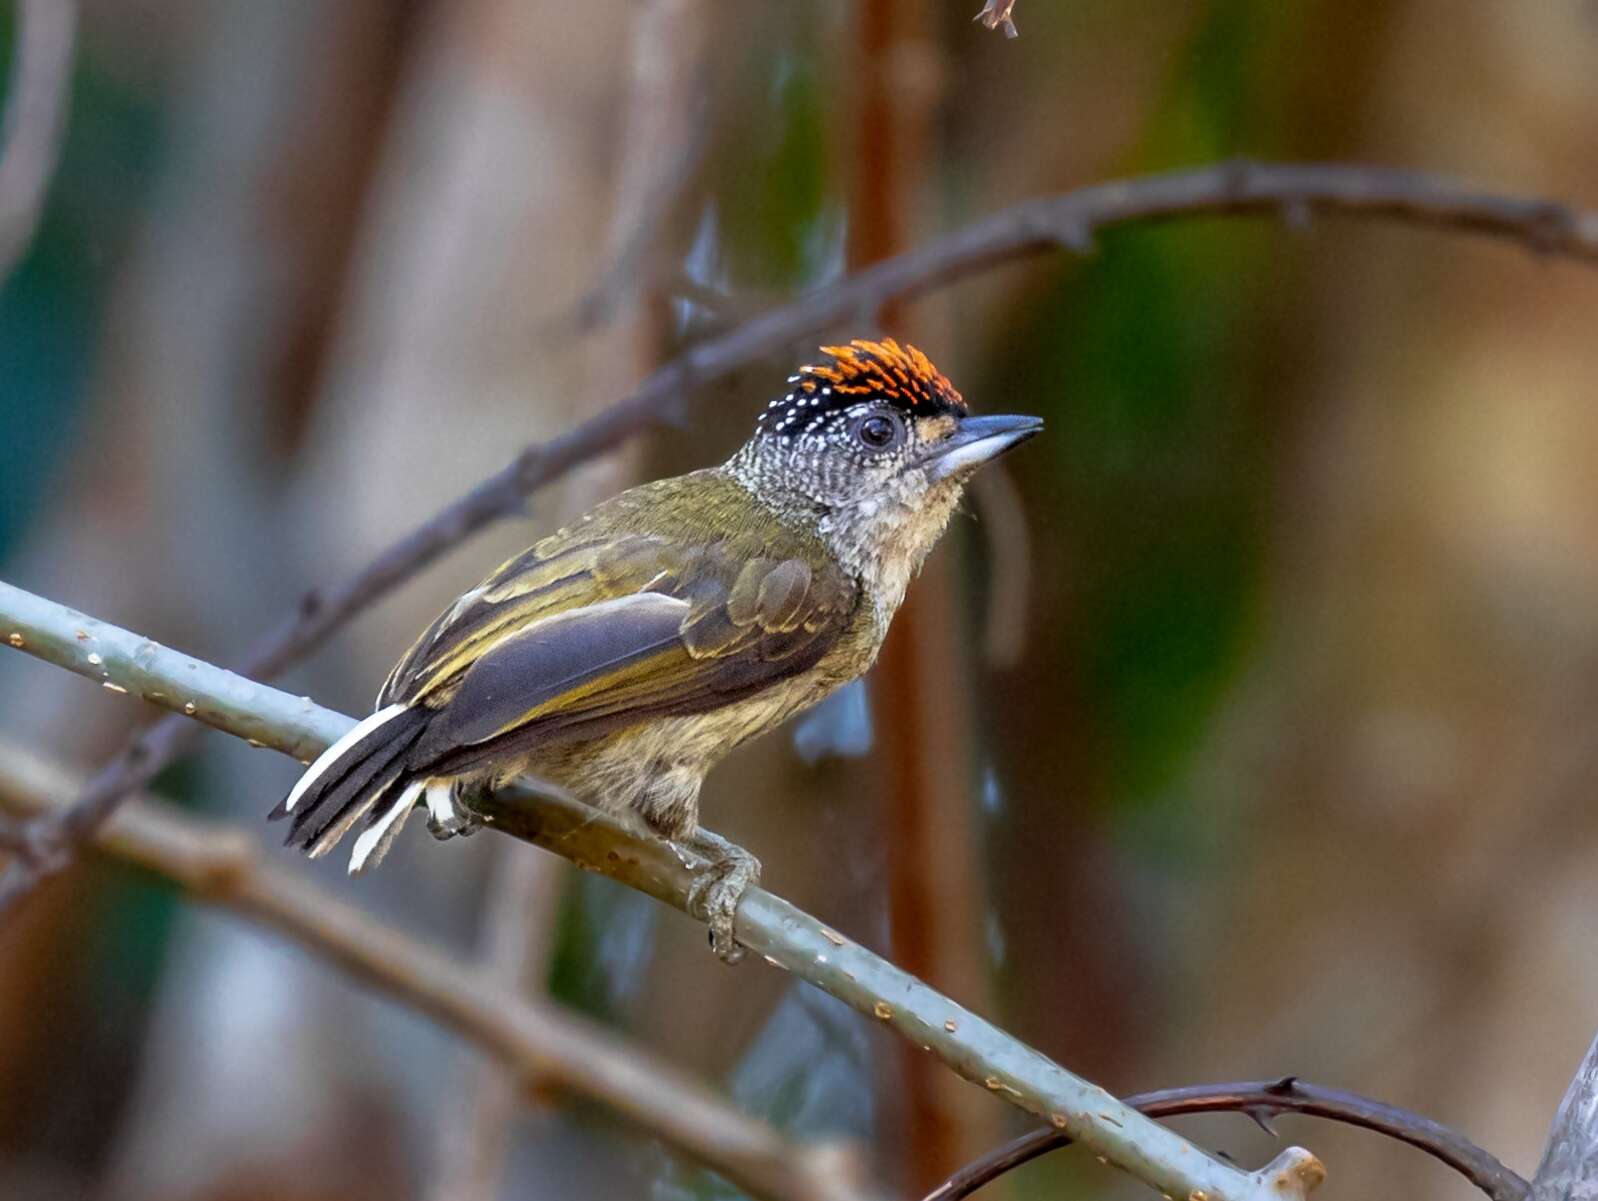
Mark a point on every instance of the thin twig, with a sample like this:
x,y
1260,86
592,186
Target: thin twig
x,y
995,14
547,1047
1068,221
35,119
1261,1100
767,925
1008,539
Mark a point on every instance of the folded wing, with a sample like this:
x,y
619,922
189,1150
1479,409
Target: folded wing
x,y
708,633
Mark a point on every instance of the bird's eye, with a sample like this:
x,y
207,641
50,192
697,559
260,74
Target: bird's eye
x,y
878,431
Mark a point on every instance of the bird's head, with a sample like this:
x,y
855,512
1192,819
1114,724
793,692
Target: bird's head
x,y
872,450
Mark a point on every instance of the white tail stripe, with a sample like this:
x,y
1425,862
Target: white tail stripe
x,y
349,815
380,834
441,802
330,756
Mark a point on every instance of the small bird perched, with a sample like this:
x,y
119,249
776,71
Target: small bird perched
x,y
622,657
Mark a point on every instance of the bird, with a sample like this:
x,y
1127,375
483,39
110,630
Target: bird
x,y
620,658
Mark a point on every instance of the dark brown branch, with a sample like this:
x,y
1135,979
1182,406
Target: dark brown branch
x,y
1067,221
1262,1100
35,118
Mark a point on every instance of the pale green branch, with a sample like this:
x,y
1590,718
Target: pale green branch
x,y
768,925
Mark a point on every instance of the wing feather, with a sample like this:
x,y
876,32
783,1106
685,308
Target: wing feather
x,y
784,590
537,584
553,659
523,661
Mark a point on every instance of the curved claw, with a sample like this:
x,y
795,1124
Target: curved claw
x,y
717,888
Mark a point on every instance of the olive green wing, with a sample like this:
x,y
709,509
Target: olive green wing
x,y
561,573
707,632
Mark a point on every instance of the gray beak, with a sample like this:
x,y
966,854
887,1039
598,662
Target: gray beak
x,y
977,440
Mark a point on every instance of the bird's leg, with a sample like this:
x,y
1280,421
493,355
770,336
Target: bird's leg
x,y
727,871
446,815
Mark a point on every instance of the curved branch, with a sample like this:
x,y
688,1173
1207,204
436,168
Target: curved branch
x,y
771,927
35,118
1067,221
1260,1100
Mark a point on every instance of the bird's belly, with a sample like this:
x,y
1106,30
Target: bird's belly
x,y
655,768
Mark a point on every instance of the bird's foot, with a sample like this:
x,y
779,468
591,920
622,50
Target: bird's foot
x,y
726,873
446,815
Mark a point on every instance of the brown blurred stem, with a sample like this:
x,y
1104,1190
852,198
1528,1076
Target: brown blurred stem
x,y
545,1047
659,149
1067,221
35,118
934,872
1262,1100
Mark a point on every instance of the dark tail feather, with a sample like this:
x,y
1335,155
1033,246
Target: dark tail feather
x,y
365,785
350,777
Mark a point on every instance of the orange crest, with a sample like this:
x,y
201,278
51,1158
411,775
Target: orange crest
x,y
860,373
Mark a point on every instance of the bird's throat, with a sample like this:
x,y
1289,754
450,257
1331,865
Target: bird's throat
x,y
882,542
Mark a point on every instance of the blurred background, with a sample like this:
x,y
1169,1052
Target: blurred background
x,y
1244,727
